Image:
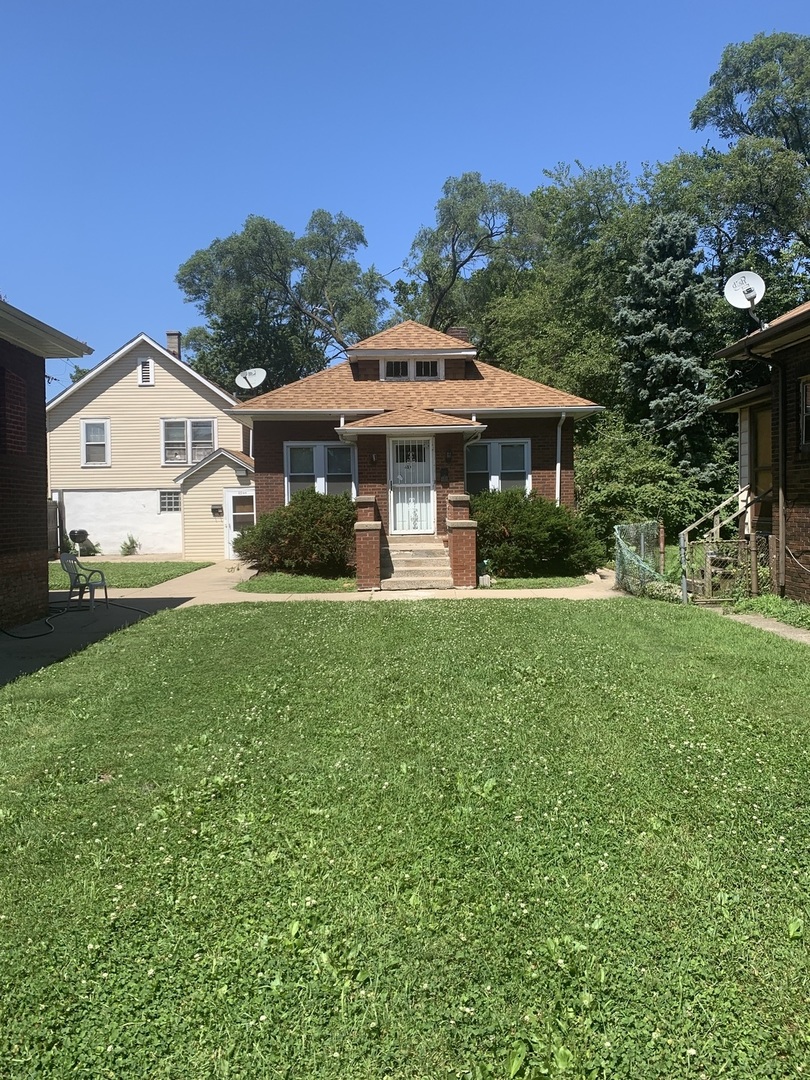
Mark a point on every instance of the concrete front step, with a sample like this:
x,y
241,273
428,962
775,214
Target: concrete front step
x,y
416,563
401,582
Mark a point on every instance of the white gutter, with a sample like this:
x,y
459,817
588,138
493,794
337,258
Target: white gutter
x,y
558,477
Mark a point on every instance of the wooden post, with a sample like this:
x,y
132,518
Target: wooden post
x,y
752,555
662,549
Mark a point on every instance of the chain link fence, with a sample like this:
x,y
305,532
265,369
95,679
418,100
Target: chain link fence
x,y
637,562
718,570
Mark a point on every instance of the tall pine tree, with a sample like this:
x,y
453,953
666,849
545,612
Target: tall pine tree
x,y
658,320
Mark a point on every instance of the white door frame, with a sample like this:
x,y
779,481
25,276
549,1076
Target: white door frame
x,y
227,499
397,486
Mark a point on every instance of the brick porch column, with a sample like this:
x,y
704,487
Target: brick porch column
x,y
367,533
462,548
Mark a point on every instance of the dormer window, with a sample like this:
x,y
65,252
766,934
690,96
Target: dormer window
x,y
411,370
146,372
396,369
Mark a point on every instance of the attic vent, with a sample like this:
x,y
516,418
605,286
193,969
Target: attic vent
x,y
146,372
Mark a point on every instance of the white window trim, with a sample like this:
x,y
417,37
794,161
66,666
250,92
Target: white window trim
x,y
105,464
187,420
146,371
168,491
495,468
412,376
319,463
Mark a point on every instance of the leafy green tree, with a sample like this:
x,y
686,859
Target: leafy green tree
x,y
659,320
623,475
476,221
274,300
761,89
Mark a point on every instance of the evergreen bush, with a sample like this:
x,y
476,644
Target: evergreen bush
x,y
523,535
313,534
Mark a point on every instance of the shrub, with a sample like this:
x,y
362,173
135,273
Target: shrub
x,y
130,546
313,534
527,536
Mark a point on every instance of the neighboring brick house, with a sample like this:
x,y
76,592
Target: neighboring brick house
x,y
410,425
774,441
25,344
143,446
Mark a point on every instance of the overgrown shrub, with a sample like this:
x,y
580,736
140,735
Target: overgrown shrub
x,y
313,534
622,476
528,536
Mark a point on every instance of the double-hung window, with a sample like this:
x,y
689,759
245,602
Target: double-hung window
x,y
326,467
498,465
187,441
95,443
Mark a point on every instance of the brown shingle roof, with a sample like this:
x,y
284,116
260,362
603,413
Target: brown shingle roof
x,y
402,418
487,388
412,336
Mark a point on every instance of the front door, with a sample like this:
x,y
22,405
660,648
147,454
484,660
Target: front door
x,y
410,482
240,512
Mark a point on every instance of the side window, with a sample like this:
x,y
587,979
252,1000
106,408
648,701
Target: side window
x,y
300,468
187,441
169,502
95,442
327,467
477,467
513,465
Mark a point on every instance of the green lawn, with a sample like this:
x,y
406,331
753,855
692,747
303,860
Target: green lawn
x,y
126,575
409,840
296,583
538,583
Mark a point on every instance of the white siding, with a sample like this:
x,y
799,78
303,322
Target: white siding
x,y
110,516
204,534
134,413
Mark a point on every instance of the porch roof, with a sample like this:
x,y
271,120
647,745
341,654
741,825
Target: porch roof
x,y
778,334
410,422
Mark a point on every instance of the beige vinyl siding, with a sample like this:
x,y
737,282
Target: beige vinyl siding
x,y
204,534
134,413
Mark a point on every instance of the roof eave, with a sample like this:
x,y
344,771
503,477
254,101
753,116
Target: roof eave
x,y
36,337
768,341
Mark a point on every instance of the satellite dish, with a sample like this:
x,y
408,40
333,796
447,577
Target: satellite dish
x,y
744,290
250,379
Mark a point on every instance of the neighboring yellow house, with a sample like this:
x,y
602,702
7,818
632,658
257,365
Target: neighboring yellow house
x,y
142,446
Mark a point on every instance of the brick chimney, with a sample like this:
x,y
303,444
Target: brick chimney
x,y
173,343
460,332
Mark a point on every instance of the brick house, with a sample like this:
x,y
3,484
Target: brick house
x,y
25,343
774,442
410,425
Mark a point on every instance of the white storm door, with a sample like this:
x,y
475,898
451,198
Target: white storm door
x,y
240,513
411,485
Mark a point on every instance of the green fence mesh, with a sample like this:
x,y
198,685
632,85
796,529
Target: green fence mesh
x,y
722,569
637,558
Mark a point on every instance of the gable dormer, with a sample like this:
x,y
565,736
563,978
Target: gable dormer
x,y
412,352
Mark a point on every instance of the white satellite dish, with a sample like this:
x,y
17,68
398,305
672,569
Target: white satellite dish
x,y
744,290
250,379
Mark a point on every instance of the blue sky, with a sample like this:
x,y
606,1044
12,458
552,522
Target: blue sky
x,y
136,134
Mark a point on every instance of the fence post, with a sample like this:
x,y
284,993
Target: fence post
x,y
662,549
752,555
684,582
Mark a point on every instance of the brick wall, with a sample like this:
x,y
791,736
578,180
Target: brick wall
x,y
23,487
